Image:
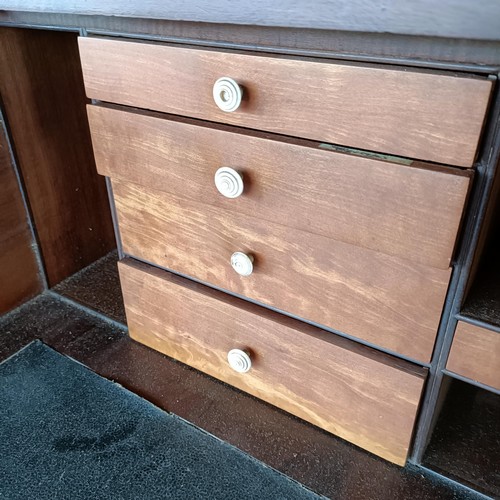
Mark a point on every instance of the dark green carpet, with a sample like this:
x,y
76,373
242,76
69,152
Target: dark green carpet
x,y
67,433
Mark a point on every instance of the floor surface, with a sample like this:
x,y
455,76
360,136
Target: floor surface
x,y
71,434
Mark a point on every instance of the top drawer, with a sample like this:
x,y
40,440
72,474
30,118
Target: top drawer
x,y
432,116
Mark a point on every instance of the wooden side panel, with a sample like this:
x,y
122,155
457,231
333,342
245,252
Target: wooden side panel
x,y
384,300
410,210
475,354
44,99
19,273
346,389
437,117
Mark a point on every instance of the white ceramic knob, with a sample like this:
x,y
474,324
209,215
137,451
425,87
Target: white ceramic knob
x,y
228,182
239,360
227,94
242,263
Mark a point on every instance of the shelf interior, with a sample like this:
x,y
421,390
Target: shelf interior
x,y
465,444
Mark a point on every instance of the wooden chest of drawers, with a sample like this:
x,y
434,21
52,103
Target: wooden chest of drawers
x,y
357,242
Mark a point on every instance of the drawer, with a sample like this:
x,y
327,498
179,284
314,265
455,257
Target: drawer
x,y
383,300
413,113
403,208
475,354
352,391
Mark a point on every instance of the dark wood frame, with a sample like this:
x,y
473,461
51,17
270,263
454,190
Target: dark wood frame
x,y
477,55
447,18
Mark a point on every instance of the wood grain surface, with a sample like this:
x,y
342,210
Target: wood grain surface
x,y
19,274
475,354
417,114
354,392
383,300
44,98
409,210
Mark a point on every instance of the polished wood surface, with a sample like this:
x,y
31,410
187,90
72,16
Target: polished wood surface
x,y
475,354
354,392
42,91
418,114
381,299
411,210
19,274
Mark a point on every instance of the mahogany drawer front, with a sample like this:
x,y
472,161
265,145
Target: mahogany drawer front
x,y
412,211
475,354
418,114
355,392
383,300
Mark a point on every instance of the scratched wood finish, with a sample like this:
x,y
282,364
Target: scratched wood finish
x,y
381,299
475,354
42,91
412,211
354,392
19,273
418,114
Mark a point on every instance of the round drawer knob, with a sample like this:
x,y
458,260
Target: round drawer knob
x,y
227,94
242,263
229,182
239,360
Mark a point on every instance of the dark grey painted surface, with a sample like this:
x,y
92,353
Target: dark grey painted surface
x,y
478,19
